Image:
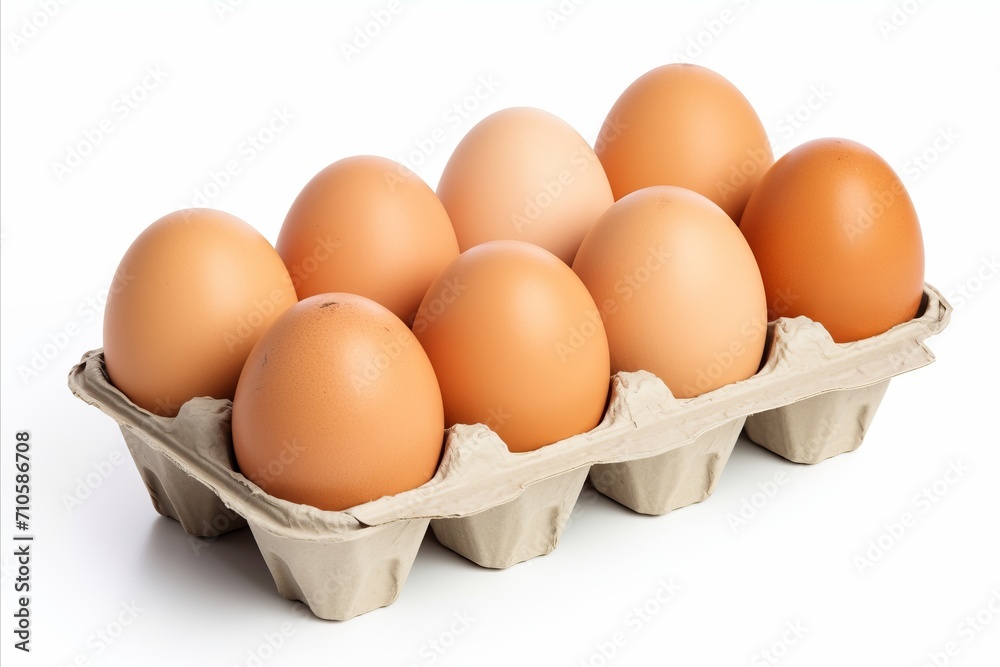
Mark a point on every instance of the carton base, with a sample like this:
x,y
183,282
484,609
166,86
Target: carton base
x,y
339,580
678,478
178,495
528,526
817,428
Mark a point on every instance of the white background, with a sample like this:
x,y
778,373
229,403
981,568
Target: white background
x,y
223,75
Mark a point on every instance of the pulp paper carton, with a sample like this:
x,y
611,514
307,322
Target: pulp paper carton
x,y
811,399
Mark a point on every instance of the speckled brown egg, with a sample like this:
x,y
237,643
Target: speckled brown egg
x,y
337,405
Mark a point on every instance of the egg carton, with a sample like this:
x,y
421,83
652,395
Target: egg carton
x,y
653,453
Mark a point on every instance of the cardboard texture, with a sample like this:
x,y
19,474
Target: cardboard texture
x,y
674,479
518,530
178,495
811,399
817,428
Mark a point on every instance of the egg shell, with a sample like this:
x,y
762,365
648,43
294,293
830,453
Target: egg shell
x,y
523,174
337,405
678,289
191,296
369,226
517,343
837,239
685,125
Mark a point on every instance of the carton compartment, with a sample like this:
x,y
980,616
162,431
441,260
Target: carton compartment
x,y
677,478
339,580
178,495
518,530
814,429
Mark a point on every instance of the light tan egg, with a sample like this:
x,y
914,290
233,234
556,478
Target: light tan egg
x,y
337,405
678,288
192,295
523,174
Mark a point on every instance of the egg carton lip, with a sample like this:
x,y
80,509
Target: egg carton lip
x,y
477,471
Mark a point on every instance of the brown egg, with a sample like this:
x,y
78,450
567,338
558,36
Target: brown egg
x,y
368,226
517,344
837,239
193,293
678,288
524,174
685,125
337,405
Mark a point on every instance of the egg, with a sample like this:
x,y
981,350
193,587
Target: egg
x,y
837,239
337,405
688,126
369,226
517,344
678,289
523,174
192,295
